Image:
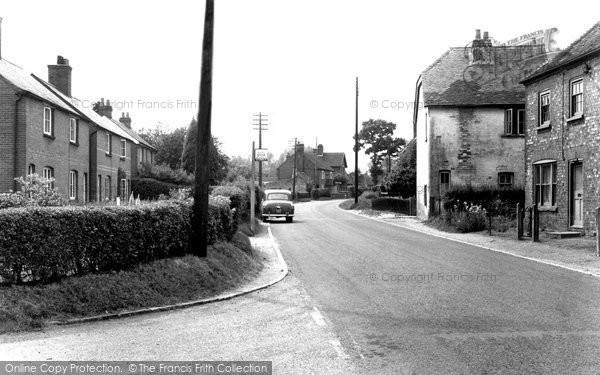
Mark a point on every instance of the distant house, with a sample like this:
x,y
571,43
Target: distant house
x,y
469,119
318,168
45,130
562,154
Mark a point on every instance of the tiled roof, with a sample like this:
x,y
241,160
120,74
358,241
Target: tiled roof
x,y
28,83
453,80
588,43
133,134
89,113
334,159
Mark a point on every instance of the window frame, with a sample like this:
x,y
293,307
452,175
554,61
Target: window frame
x,y
84,193
542,94
520,123
123,148
48,123
445,172
73,180
108,144
30,169
504,184
541,186
124,188
508,121
108,187
74,130
573,112
47,173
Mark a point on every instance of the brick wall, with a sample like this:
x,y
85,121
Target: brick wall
x,y
566,142
108,164
7,135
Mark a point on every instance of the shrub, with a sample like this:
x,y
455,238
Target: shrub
x,y
34,190
148,188
47,243
165,173
499,201
8,200
240,200
368,195
320,193
392,204
470,218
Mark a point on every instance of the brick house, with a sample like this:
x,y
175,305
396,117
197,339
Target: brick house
x,y
47,131
562,153
318,168
469,119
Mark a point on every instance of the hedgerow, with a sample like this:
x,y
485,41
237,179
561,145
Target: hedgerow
x,y
148,188
47,243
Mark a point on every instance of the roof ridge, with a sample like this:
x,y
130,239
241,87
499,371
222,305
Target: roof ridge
x,y
438,60
11,63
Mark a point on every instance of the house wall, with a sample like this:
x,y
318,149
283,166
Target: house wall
x,y
566,142
423,159
109,164
470,143
8,98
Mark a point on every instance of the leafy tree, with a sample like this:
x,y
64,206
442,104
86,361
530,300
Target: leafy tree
x,y
169,144
238,167
403,178
377,136
217,162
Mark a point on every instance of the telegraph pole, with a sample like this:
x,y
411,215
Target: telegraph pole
x,y
199,234
260,126
295,168
356,148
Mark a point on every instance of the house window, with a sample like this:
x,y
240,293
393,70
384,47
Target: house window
x,y
544,116
73,130
322,175
85,187
124,188
123,148
506,179
545,184
72,185
107,188
31,169
577,97
48,173
444,181
48,126
108,144
508,121
520,121
99,189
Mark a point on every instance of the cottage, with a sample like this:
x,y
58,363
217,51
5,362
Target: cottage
x,y
469,119
562,143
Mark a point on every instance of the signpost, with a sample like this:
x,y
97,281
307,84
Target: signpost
x,y
261,154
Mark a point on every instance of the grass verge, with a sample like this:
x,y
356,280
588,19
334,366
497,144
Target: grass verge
x,y
163,282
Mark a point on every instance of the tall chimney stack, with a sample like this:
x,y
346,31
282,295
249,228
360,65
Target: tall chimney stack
x,y
125,119
477,34
104,109
59,75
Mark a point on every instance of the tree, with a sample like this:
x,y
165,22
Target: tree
x,y
238,167
169,144
403,178
217,162
378,138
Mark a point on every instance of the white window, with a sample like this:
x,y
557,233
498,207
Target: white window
x,y
544,103
577,97
73,130
108,144
545,183
72,185
508,121
124,188
31,169
123,148
48,121
48,173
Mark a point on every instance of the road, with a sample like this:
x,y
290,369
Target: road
x,y
365,297
403,302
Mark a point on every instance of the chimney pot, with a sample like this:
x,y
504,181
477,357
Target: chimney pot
x,y
485,35
59,75
102,101
477,34
107,102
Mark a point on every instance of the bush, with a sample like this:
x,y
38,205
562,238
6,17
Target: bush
x,y
165,173
8,200
320,193
148,188
34,190
392,204
240,200
497,201
370,195
47,243
469,218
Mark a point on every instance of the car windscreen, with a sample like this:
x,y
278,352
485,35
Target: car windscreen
x,y
278,196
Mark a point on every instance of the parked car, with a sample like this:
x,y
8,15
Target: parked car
x,y
277,204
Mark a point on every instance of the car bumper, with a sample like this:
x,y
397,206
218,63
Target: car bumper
x,y
278,215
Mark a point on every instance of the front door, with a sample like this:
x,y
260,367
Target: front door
x,y
577,195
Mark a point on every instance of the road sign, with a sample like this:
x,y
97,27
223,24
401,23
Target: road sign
x,y
261,154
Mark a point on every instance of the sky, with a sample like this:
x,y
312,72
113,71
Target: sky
x,y
295,61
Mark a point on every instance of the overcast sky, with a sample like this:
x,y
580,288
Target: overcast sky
x,y
294,60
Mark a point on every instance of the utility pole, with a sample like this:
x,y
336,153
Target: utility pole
x,y
295,168
252,192
356,148
316,154
199,234
260,126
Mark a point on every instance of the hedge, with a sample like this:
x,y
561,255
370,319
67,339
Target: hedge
x,y
321,192
148,188
240,201
393,204
47,243
504,200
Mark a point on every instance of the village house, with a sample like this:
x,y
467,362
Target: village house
x,y
562,152
469,119
44,130
317,169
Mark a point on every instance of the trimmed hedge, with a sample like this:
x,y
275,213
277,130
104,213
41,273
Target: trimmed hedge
x,y
392,204
501,201
320,192
148,188
47,243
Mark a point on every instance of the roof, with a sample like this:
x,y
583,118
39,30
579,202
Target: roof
x,y
334,159
89,113
29,84
454,80
587,44
133,134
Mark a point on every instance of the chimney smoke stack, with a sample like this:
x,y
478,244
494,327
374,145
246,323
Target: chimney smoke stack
x,y
59,75
485,35
125,119
104,109
477,34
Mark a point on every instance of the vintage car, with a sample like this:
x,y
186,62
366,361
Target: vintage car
x,y
277,204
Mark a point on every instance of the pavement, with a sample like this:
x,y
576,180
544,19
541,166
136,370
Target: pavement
x,y
577,254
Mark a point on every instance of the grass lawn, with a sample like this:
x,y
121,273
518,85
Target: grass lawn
x,y
163,282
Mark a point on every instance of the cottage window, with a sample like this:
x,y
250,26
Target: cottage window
x,y
124,188
544,103
48,126
48,173
108,144
85,188
107,188
508,121
72,185
99,188
506,179
577,97
73,130
444,180
123,148
520,121
545,184
31,169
